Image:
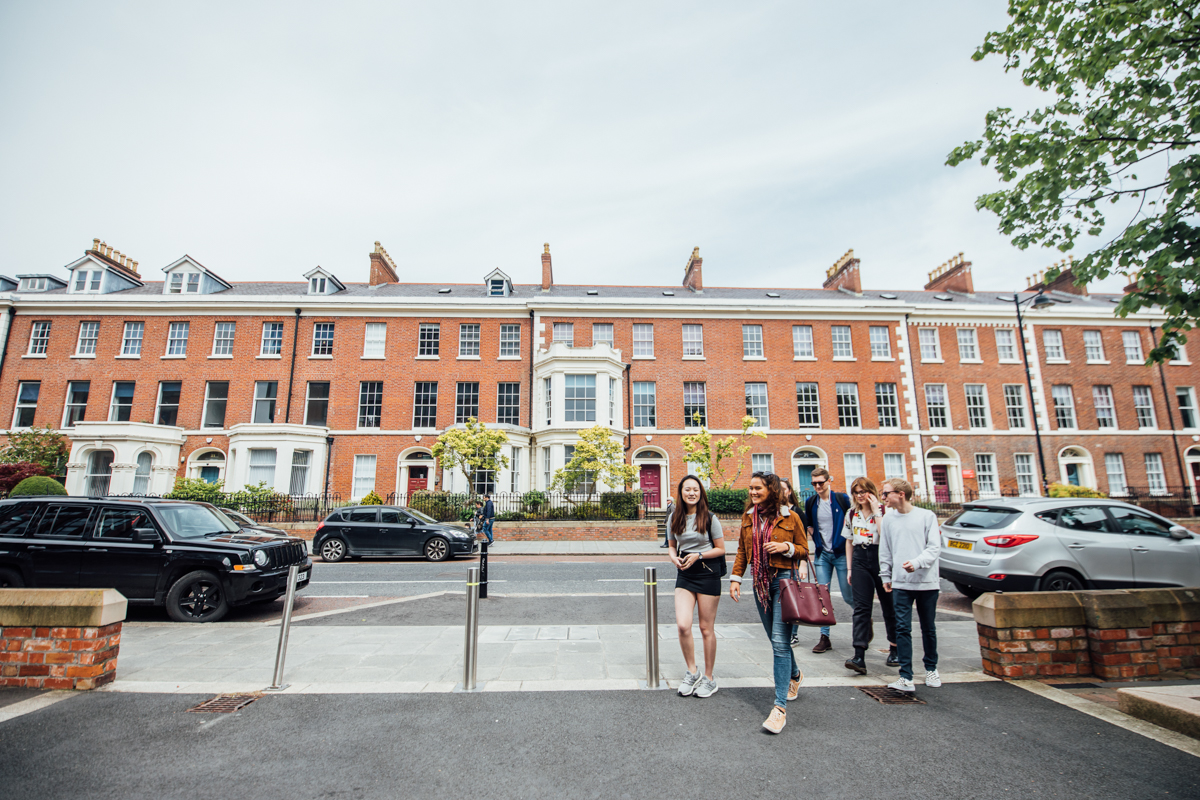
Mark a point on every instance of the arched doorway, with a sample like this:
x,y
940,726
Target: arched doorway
x,y
99,473
653,479
416,471
208,466
1192,456
804,461
1075,467
944,472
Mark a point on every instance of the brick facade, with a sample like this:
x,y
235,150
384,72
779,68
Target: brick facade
x,y
936,458
58,657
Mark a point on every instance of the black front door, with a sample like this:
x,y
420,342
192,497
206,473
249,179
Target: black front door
x,y
112,560
54,550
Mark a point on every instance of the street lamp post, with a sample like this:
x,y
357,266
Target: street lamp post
x,y
1037,301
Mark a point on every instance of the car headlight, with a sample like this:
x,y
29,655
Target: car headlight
x,y
260,558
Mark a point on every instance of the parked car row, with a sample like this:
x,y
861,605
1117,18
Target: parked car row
x,y
357,531
189,557
1044,544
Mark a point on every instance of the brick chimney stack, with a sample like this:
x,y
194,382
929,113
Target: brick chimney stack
x,y
952,276
383,269
844,274
692,277
114,257
547,270
1065,282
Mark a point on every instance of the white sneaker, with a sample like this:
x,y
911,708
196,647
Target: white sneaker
x,y
904,685
932,679
689,683
706,687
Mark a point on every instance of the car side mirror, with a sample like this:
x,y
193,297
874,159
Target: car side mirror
x,y
412,522
1179,532
146,535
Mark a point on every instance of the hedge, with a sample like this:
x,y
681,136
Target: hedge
x,y
37,485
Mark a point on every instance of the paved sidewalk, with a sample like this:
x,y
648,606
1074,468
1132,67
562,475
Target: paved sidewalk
x,y
165,657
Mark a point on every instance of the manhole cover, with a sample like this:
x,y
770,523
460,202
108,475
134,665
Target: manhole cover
x,y
226,703
892,697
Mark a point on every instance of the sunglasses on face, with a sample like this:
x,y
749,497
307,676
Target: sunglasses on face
x,y
885,494
819,484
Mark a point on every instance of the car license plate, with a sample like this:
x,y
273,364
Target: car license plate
x,y
303,576
960,545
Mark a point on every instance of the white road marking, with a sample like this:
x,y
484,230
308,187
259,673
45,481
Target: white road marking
x,y
34,704
461,580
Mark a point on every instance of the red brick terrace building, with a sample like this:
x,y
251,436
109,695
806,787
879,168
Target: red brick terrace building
x,y
318,385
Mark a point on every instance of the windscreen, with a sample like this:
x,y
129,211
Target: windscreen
x,y
192,522
983,517
428,520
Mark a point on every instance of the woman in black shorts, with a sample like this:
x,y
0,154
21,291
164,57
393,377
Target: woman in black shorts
x,y
697,548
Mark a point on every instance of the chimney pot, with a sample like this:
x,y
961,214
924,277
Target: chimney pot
x,y
547,269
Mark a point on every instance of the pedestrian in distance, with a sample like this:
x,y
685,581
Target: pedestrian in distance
x,y
826,511
909,550
666,536
697,549
771,540
488,516
862,531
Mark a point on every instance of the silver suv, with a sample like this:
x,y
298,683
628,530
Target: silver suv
x,y
1066,544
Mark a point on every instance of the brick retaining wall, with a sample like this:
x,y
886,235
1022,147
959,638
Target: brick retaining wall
x,y
563,531
59,658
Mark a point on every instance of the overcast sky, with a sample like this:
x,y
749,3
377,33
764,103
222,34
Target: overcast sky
x,y
265,139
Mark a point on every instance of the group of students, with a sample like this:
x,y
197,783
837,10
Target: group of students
x,y
875,540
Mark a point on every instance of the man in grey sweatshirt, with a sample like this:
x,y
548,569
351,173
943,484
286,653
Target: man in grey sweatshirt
x,y
909,549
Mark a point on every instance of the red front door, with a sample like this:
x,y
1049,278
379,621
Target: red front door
x,y
418,479
649,482
941,483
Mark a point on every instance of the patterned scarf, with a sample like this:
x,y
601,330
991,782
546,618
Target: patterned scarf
x,y
760,562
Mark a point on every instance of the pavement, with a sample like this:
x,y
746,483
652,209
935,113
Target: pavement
x,y
970,741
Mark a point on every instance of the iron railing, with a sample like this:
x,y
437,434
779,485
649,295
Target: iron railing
x,y
522,506
281,508
1169,502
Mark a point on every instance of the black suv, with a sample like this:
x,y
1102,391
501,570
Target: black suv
x,y
389,531
186,556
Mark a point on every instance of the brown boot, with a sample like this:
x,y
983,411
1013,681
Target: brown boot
x,y
823,645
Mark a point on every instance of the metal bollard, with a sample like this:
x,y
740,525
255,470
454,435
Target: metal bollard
x,y
650,584
471,646
277,684
483,548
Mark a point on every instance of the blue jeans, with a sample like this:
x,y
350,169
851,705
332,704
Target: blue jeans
x,y
780,634
826,563
926,601
487,528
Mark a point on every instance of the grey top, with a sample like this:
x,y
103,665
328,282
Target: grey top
x,y
692,540
825,521
914,537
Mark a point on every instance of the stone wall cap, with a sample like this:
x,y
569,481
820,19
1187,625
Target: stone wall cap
x,y
1028,610
61,608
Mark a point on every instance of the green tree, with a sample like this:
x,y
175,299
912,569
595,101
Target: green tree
x,y
1122,125
471,449
711,456
598,456
43,446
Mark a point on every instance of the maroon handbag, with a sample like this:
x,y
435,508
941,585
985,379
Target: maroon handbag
x,y
805,602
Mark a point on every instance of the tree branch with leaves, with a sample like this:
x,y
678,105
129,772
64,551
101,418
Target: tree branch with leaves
x,y
710,457
1125,80
471,449
598,455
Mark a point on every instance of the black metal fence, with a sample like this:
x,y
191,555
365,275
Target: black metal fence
x,y
522,506
279,508
1167,502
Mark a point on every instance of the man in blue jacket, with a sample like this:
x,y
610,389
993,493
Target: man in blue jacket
x,y
827,514
489,516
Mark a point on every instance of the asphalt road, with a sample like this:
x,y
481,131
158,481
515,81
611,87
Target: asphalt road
x,y
983,740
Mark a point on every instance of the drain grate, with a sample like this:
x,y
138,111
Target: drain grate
x,y
226,703
892,697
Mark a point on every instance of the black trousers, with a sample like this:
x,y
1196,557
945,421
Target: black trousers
x,y
866,583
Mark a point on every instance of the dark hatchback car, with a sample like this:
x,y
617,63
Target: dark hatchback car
x,y
388,531
185,556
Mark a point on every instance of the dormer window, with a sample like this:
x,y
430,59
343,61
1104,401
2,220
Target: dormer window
x,y
33,284
321,282
180,279
188,276
88,280
317,286
497,288
193,282
176,282
498,284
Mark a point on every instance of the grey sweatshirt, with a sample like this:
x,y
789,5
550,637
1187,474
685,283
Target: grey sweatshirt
x,y
914,537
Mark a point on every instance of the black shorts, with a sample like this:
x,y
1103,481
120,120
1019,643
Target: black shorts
x,y
700,579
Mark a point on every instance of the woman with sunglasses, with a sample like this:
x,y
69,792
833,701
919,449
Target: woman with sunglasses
x,y
862,532
772,537
697,548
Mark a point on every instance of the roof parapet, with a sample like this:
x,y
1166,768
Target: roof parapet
x,y
952,276
1063,282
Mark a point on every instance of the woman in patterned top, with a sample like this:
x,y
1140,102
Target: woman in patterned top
x,y
862,539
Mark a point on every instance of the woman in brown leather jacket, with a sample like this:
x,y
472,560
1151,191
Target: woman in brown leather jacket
x,y
772,536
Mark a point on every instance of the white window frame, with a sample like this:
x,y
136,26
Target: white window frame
x,y
114,408
880,339
643,340
854,465
506,407
752,342
890,461
1062,397
968,345
1027,477
1103,403
510,341
309,400
1156,476
599,328
982,406
68,420
375,340
888,398
803,348
688,422
564,333
1052,346
642,420
1020,406
1131,343
764,420
429,340
1093,347
39,338
985,465
1114,468
364,419
1011,345
810,403
322,339
208,399
848,390
158,405
258,464
268,338
1185,399
223,338
844,345
85,345
469,335
693,341
944,405
416,389
762,462
177,338
929,344
1143,406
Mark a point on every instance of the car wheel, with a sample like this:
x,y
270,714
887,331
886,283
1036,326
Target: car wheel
x,y
1060,581
437,549
10,579
968,591
333,550
197,597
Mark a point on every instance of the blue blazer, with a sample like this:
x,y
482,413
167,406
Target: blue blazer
x,y
840,502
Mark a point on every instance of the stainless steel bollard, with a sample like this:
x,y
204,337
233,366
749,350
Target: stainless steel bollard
x,y
650,584
471,646
277,685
